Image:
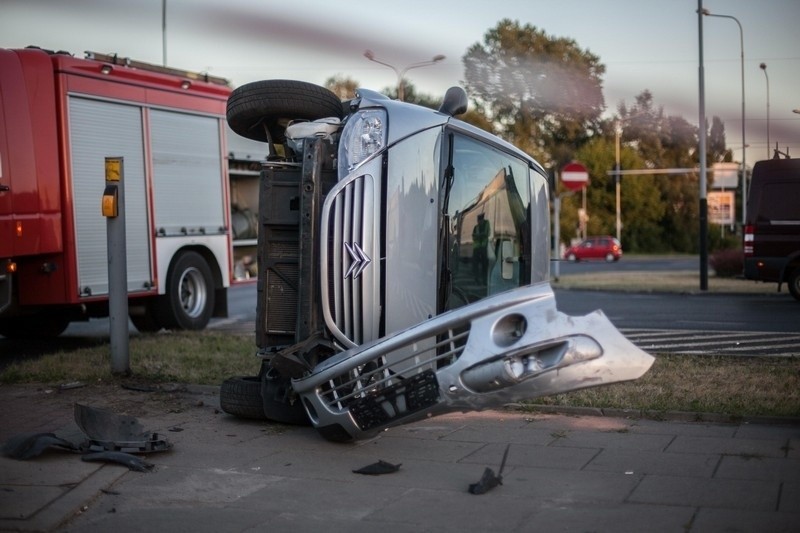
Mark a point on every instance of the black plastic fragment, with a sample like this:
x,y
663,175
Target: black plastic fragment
x,y
377,469
30,445
122,458
489,480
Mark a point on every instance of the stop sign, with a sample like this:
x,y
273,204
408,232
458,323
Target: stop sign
x,y
574,176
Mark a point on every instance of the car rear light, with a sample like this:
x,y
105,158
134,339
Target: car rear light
x,y
11,267
749,237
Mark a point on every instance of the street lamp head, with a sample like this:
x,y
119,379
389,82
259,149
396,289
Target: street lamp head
x,y
763,66
438,57
369,54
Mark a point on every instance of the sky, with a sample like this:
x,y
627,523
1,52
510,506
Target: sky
x,y
644,44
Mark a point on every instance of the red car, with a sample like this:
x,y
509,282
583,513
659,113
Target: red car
x,y
601,247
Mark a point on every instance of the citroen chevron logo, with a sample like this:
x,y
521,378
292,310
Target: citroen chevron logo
x,y
358,260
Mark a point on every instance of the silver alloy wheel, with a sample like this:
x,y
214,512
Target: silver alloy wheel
x,y
192,292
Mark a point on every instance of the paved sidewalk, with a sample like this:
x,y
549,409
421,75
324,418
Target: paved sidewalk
x,y
563,473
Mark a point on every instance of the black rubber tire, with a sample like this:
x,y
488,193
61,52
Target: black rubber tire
x,y
148,322
189,299
280,402
794,283
334,433
273,103
241,397
610,258
572,258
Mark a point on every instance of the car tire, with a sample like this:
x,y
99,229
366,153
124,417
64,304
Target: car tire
x,y
610,258
280,402
794,283
269,105
572,258
241,397
189,298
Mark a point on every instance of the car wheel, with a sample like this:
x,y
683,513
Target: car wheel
x,y
572,258
241,396
268,105
189,299
280,402
610,257
794,283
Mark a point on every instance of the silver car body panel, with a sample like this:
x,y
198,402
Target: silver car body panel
x,y
506,348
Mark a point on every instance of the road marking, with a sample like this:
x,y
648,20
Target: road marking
x,y
715,342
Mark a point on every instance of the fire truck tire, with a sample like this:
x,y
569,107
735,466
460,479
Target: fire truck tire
x,y
241,396
271,104
794,283
40,325
280,402
189,298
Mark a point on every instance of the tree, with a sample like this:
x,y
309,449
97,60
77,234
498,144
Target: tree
x,y
343,86
543,93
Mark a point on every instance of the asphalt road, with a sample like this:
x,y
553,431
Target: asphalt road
x,y
719,312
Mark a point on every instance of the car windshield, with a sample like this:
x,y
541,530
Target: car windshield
x,y
486,225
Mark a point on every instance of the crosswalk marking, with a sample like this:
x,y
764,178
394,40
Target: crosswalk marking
x,y
715,342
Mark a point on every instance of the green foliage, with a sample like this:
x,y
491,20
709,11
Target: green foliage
x,y
544,94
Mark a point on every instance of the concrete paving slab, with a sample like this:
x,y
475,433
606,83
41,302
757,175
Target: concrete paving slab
x,y
621,459
754,495
580,473
734,520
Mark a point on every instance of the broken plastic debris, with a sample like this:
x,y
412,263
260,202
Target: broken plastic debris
x,y
125,459
489,480
28,446
376,469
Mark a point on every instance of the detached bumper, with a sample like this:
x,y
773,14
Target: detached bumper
x,y
510,347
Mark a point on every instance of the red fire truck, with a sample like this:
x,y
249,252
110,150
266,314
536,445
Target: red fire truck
x,y
60,117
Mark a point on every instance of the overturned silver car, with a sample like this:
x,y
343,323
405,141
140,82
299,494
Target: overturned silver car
x,y
403,260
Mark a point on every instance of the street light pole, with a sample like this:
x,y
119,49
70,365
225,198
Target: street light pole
x,y
763,67
618,132
401,73
744,156
702,155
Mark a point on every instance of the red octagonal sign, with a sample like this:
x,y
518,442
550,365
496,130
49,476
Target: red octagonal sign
x,y
574,176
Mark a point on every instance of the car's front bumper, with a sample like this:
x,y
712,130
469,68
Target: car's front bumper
x,y
507,348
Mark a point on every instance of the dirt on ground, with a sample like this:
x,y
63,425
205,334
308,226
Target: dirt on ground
x,y
38,408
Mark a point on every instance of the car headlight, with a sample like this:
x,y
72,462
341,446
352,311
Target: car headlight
x,y
364,134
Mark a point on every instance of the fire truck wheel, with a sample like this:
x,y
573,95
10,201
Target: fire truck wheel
x,y
271,104
189,299
241,396
280,402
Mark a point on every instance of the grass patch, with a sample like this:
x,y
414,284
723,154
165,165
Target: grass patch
x,y
201,358
660,281
733,386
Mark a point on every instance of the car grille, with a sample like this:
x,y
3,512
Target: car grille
x,y
352,269
383,376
